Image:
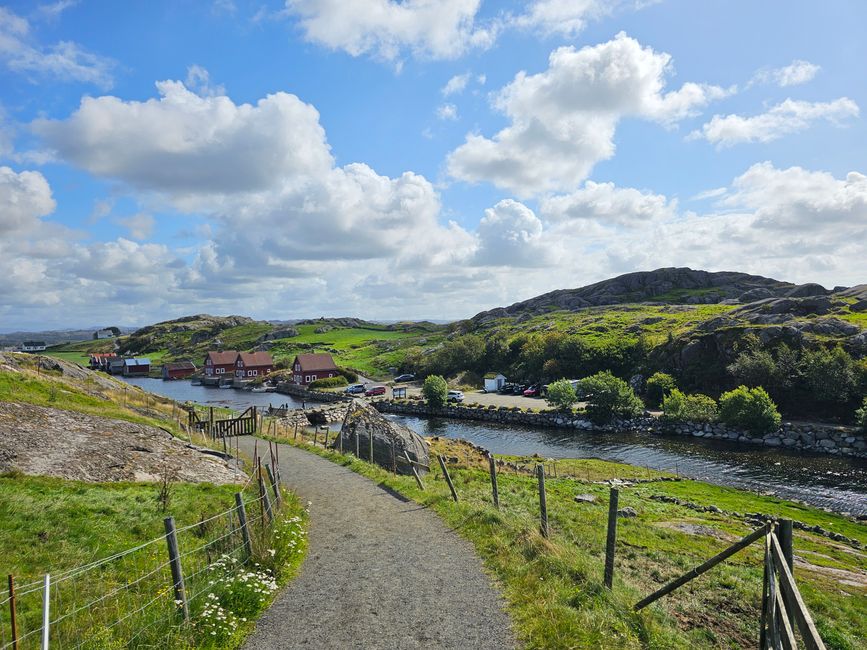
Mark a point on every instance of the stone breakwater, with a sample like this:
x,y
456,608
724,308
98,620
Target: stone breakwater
x,y
311,395
825,439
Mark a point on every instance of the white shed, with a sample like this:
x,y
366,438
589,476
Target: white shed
x,y
494,382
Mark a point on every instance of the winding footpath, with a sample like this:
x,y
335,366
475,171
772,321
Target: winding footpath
x,y
381,572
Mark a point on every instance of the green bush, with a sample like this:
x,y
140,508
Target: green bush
x,y
659,385
609,397
351,375
328,382
749,408
561,395
861,416
435,391
679,407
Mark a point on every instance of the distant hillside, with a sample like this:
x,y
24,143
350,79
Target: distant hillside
x,y
668,286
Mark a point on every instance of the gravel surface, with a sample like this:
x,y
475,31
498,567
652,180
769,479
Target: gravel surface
x,y
381,572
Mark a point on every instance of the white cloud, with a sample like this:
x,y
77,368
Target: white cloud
x,y
438,29
53,10
25,197
564,17
790,116
447,112
184,144
563,120
608,204
199,81
64,60
510,234
140,225
796,73
456,84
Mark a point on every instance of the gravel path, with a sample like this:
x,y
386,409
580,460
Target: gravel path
x,y
381,572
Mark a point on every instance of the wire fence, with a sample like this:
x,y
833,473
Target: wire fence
x,y
131,599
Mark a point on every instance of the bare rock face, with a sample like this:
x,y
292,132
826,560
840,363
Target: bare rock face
x,y
390,439
51,442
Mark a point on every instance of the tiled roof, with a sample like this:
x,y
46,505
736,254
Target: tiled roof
x,y
312,362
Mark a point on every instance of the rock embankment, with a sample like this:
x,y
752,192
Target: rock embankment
x,y
50,442
835,440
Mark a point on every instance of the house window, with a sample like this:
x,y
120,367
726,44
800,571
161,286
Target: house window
x,y
330,374
309,379
240,364
297,366
220,371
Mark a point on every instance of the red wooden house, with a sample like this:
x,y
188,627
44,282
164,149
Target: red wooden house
x,y
218,364
178,369
308,368
250,365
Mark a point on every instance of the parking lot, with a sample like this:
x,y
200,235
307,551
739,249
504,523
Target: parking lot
x,y
486,399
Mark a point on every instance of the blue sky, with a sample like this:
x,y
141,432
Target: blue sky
x,y
417,159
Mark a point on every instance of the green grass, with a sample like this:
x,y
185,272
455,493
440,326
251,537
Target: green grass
x,y
53,525
370,350
554,587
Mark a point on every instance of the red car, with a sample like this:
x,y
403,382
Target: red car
x,y
533,391
375,390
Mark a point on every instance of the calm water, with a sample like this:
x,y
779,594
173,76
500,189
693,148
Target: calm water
x,y
183,391
820,480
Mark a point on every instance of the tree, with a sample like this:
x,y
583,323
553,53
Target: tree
x,y
749,408
659,385
561,395
755,367
861,416
679,407
830,375
609,397
435,391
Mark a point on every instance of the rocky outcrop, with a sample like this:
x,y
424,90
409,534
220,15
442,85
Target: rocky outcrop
x,y
675,285
390,440
52,442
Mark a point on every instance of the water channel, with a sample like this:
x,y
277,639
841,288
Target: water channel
x,y
821,480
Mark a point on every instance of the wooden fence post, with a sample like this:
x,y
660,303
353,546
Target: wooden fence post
x,y
370,436
492,465
611,539
211,422
414,470
784,536
274,484
12,615
177,573
46,610
263,494
447,477
295,436
357,444
327,431
543,501
242,521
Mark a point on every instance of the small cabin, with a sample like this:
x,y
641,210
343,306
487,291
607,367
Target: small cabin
x,y
307,368
33,346
178,369
136,367
494,382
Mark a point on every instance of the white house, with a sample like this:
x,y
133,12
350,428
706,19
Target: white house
x,y
104,334
33,346
494,382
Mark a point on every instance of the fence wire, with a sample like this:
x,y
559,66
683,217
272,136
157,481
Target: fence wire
x,y
128,598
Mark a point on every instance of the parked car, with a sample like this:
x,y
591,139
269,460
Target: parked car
x,y
533,391
455,396
519,389
406,377
507,389
354,388
374,390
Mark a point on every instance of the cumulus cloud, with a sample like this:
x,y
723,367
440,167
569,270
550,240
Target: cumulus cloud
x,y
796,73
563,120
65,60
437,29
790,116
140,225
608,204
25,197
563,17
510,234
456,84
182,143
447,112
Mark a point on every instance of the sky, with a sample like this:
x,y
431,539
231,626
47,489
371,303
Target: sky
x,y
417,159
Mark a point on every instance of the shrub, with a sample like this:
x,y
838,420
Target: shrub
x,y
679,407
749,408
351,375
435,391
609,397
328,382
561,395
659,386
861,416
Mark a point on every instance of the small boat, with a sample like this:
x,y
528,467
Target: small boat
x,y
226,386
259,389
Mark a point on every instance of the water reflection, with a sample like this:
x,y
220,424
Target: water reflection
x,y
818,479
183,391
